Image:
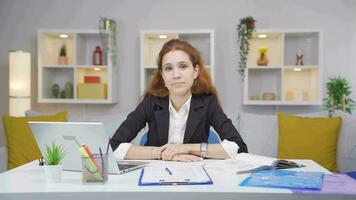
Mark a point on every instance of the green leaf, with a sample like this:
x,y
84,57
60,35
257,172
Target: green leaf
x,y
54,154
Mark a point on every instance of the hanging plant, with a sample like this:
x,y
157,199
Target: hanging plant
x,y
338,96
245,28
107,28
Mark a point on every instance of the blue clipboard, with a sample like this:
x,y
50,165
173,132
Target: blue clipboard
x,y
285,179
174,182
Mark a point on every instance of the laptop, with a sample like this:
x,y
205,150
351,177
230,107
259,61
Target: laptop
x,y
90,133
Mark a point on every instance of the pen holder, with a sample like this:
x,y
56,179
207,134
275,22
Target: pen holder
x,y
95,169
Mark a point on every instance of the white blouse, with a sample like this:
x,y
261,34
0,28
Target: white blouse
x,y
177,125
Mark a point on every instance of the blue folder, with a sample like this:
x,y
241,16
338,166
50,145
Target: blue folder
x,y
185,181
285,179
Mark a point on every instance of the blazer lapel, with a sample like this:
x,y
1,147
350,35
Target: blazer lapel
x,y
194,117
162,119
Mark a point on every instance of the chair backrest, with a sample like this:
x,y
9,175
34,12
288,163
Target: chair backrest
x,y
212,139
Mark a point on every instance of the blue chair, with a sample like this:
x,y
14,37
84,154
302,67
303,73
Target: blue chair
x,y
212,139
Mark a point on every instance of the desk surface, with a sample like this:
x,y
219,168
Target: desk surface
x,y
29,182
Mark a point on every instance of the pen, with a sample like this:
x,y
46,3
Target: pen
x,y
168,171
107,147
101,155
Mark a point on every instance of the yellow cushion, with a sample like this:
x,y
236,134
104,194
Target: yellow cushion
x,y
309,138
22,146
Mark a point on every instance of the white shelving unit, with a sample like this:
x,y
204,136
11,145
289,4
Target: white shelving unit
x,y
282,78
80,45
152,41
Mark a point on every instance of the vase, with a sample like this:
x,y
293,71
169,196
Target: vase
x,y
55,90
262,60
63,60
68,90
53,172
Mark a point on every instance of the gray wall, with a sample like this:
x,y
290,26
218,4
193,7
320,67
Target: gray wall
x,y
19,21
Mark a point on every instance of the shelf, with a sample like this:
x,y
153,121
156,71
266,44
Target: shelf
x,y
262,83
264,67
50,44
75,101
274,43
307,43
301,85
291,84
58,76
295,103
100,85
86,43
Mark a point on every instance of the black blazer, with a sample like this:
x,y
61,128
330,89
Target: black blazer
x,y
203,113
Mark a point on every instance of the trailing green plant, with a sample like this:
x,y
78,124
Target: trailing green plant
x,y
54,154
63,51
338,96
245,29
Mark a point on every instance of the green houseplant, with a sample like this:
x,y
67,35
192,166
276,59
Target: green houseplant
x,y
53,156
63,59
245,28
338,96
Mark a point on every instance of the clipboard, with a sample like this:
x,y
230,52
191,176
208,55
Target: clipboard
x,y
285,179
176,180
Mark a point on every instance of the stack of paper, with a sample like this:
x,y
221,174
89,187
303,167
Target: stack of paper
x,y
174,175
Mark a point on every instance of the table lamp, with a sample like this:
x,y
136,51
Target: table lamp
x,y
19,82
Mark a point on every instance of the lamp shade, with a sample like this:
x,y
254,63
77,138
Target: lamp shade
x,y
20,82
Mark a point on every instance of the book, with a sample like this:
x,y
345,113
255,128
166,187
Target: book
x,y
247,163
285,179
91,79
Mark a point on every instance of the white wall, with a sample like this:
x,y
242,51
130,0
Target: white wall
x,y
19,21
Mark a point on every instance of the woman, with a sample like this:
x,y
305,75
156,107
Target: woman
x,y
179,106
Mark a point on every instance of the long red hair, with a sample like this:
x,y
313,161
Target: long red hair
x,y
202,84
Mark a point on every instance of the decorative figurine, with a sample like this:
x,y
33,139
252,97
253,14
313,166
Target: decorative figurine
x,y
299,58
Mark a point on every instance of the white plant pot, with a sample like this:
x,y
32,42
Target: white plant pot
x,y
53,172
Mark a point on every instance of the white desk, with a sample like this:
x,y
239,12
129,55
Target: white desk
x,y
28,182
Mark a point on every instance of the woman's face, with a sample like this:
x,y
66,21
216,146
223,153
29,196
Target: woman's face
x,y
178,72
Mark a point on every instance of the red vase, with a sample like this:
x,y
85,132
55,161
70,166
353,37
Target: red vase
x,y
97,56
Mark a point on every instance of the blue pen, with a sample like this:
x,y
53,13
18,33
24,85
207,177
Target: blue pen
x,y
169,171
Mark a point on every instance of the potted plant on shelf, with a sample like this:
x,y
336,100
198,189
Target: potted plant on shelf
x,y
245,28
63,59
53,166
338,96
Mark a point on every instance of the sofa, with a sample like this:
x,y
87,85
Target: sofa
x,y
260,132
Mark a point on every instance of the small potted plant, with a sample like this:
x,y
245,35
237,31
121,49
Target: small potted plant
x,y
53,166
338,96
245,28
63,59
